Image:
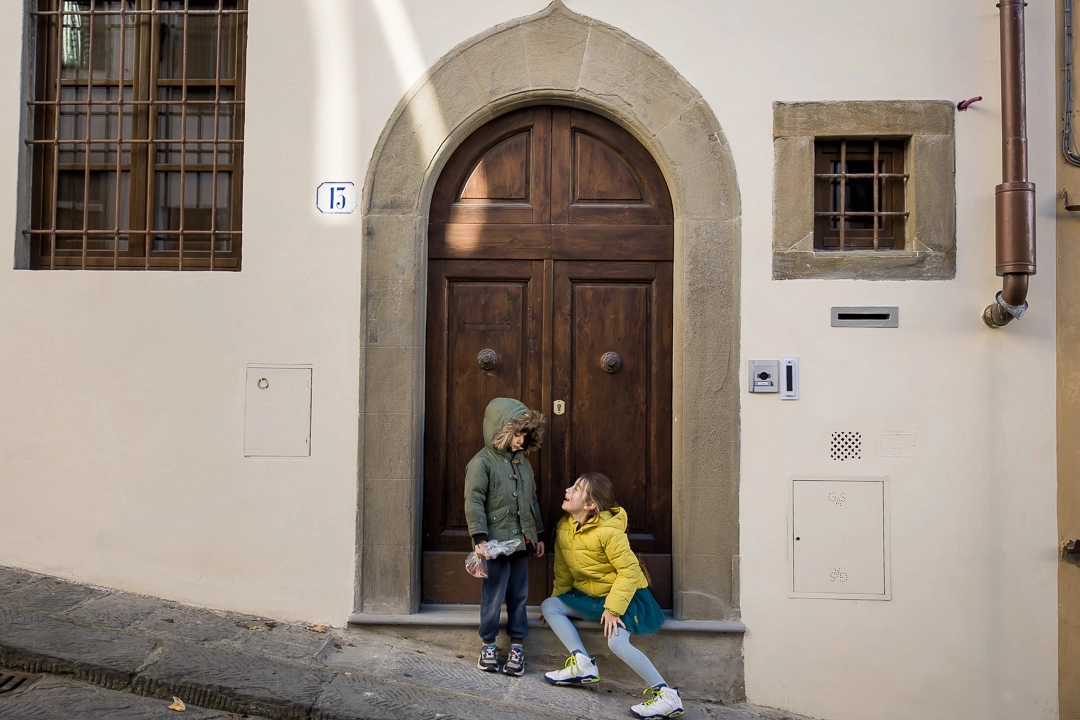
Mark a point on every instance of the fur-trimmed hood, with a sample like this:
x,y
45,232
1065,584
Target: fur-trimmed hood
x,y
506,417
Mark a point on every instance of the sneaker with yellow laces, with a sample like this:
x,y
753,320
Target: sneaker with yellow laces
x,y
664,703
579,669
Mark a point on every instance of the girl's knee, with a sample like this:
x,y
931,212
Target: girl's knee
x,y
551,606
620,641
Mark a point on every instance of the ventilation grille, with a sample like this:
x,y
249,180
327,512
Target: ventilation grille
x,y
846,445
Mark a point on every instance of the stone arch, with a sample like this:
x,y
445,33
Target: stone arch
x,y
552,57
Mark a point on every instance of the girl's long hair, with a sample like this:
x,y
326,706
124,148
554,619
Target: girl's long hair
x,y
600,491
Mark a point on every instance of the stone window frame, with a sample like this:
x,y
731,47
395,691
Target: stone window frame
x,y
929,251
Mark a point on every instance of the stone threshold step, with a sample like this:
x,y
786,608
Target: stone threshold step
x,y
467,616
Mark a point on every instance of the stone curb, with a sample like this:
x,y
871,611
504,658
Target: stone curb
x,y
216,678
27,643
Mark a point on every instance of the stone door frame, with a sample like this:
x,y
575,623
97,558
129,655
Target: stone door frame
x,y
552,57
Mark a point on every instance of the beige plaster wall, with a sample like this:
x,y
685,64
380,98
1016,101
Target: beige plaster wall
x,y
970,631
121,415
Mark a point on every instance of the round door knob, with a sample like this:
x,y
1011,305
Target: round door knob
x,y
487,359
611,362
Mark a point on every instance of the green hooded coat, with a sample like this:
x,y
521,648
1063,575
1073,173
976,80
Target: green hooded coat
x,y
500,492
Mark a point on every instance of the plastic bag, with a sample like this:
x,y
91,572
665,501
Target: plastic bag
x,y
477,566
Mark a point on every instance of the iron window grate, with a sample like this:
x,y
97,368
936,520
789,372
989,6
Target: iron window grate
x,y
859,188
136,134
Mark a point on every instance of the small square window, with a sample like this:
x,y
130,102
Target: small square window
x,y
859,194
864,190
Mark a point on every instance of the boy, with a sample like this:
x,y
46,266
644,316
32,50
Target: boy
x,y
501,504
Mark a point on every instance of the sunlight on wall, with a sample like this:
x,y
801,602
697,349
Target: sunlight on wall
x,y
401,39
337,109
404,46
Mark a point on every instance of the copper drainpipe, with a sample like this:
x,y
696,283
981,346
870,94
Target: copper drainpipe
x,y
1015,196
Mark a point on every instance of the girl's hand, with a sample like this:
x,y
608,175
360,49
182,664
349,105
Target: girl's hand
x,y
611,623
482,550
539,552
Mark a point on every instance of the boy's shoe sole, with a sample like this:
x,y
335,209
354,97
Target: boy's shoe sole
x,y
487,668
513,673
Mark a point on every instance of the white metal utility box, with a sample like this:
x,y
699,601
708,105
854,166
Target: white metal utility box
x,y
277,411
839,542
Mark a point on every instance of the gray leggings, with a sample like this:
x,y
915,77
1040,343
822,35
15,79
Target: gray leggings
x,y
558,614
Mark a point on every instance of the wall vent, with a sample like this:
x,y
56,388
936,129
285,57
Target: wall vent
x,y
846,445
876,316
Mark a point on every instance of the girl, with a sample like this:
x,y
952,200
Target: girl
x,y
597,577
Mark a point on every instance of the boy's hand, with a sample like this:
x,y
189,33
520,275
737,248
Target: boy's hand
x,y
539,552
482,550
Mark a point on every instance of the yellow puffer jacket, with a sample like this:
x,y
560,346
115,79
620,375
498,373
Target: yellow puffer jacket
x,y
596,559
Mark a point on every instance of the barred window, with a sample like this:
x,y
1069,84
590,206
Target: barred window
x,y
859,194
136,122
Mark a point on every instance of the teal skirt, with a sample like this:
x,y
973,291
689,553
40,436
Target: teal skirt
x,y
643,615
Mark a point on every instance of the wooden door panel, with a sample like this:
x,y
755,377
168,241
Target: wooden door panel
x,y
473,306
608,429
617,423
506,241
601,174
486,315
612,242
500,174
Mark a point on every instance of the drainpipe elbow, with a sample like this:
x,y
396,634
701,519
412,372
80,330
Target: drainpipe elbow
x,y
1010,303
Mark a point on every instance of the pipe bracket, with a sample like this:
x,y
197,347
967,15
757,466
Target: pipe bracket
x,y
1070,208
1017,311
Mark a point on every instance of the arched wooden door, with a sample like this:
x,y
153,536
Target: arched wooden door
x,y
550,243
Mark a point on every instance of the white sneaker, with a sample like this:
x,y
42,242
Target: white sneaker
x,y
579,669
664,703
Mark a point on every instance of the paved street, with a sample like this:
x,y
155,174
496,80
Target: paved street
x,y
59,698
147,650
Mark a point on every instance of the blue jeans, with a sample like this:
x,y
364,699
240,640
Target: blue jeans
x,y
558,614
507,581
